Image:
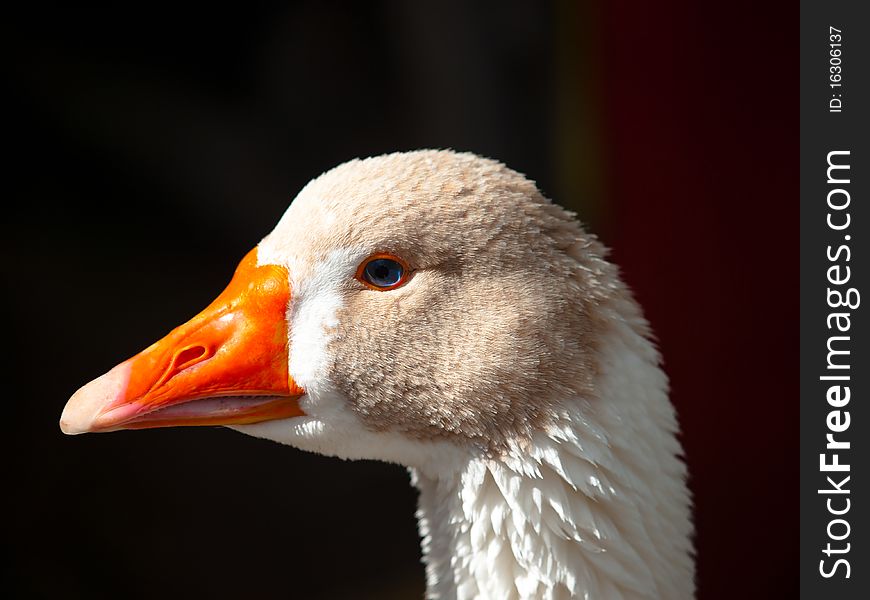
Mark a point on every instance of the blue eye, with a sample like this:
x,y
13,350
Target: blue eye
x,y
383,273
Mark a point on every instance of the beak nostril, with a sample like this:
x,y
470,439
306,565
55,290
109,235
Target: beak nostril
x,y
181,360
188,356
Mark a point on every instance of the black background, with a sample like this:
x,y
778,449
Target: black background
x,y
151,147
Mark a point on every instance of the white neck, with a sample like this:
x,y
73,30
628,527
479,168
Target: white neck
x,y
596,507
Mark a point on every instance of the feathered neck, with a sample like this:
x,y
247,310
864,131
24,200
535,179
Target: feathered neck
x,y
595,507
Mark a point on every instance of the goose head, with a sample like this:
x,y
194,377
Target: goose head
x,y
433,309
418,297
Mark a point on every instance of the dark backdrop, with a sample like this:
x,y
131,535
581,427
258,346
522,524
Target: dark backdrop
x,y
151,147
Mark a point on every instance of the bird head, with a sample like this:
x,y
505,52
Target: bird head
x,y
405,306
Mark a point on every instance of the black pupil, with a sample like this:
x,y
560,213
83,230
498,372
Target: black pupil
x,y
383,272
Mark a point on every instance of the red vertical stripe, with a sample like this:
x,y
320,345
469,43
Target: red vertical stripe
x,y
702,152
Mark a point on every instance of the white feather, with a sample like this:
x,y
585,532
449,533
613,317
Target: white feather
x,y
545,523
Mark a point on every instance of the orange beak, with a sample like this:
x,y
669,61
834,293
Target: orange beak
x,y
226,366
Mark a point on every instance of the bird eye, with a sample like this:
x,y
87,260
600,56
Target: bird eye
x,y
382,272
